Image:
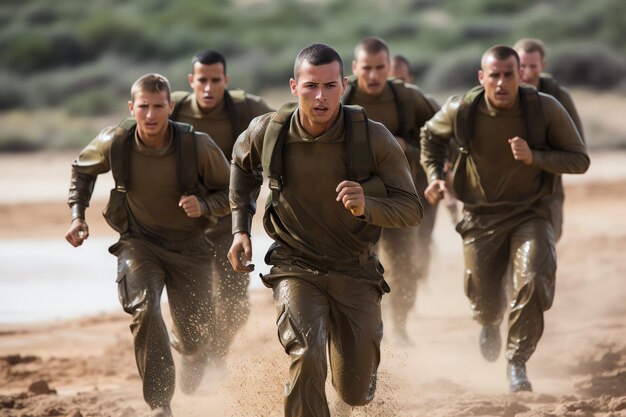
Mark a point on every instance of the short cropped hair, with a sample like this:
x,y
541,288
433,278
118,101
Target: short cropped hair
x,y
371,45
501,52
530,45
317,54
208,57
151,83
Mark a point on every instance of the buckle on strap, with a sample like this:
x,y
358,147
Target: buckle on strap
x,y
276,184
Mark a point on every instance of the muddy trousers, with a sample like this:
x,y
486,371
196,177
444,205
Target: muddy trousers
x,y
528,245
144,269
332,311
232,306
405,254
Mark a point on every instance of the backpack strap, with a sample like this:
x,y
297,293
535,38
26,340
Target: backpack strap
x,y
464,122
120,153
358,149
273,144
241,110
186,155
186,158
531,108
405,108
407,125
533,115
233,115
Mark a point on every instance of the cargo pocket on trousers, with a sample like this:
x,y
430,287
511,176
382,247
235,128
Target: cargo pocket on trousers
x,y
288,334
120,280
123,293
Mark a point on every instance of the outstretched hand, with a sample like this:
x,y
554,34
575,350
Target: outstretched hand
x,y
240,253
351,195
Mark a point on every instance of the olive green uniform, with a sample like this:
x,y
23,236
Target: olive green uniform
x,y
548,85
405,251
232,306
162,248
506,220
326,278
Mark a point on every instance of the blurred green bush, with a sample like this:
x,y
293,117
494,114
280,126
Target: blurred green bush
x,y
81,57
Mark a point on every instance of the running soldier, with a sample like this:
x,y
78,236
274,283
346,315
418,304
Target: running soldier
x,y
170,183
223,114
403,109
512,141
336,179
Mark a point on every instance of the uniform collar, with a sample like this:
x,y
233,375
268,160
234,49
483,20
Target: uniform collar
x,y
298,134
492,111
218,112
361,97
169,145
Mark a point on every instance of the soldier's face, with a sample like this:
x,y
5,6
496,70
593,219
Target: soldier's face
x,y
531,66
371,71
151,111
208,83
500,78
319,89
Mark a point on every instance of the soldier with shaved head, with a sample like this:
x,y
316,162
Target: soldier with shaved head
x,y
512,141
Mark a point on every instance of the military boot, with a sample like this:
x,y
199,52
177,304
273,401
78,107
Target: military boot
x,y
518,381
490,342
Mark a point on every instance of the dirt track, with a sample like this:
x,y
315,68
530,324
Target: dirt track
x,y
579,369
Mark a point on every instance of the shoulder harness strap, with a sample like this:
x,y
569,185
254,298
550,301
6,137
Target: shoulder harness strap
x,y
120,153
408,129
186,158
531,107
464,122
533,119
358,149
533,114
273,142
233,116
358,153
